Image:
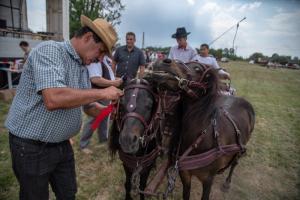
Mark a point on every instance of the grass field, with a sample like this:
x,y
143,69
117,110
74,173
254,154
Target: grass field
x,y
270,171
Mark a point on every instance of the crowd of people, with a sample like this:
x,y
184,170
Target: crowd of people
x,y
58,79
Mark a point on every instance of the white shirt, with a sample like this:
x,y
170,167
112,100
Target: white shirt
x,y
95,69
211,61
184,55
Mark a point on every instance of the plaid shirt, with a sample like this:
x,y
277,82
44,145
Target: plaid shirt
x,y
49,65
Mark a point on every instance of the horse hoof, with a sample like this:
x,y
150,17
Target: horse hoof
x,y
225,187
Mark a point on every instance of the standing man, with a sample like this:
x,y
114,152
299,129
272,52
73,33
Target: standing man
x,y
207,59
129,59
101,76
46,111
182,51
25,47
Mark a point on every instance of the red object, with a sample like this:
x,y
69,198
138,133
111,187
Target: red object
x,y
104,113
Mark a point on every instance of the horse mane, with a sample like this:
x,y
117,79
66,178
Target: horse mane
x,y
113,139
204,106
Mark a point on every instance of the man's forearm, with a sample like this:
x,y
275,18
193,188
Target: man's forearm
x,y
141,71
113,66
64,98
102,82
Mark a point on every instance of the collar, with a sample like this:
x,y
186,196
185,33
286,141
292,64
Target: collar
x,y
70,49
126,49
186,48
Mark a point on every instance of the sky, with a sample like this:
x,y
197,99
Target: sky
x,y
270,26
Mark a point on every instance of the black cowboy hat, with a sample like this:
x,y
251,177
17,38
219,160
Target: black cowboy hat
x,y
180,32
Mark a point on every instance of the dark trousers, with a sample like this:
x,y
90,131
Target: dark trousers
x,y
37,164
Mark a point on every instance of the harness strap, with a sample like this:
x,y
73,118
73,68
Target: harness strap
x,y
137,116
132,161
237,130
206,158
193,146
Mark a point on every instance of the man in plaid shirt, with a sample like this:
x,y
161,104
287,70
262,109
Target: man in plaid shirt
x,y
46,110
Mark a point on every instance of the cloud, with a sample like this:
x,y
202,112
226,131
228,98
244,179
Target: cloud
x,y
284,23
223,17
249,6
191,2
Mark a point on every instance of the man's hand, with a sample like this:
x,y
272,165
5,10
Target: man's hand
x,y
112,93
226,76
118,82
99,106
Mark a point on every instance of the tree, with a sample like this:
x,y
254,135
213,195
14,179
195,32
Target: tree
x,y
295,60
219,54
255,56
284,59
275,57
108,9
226,52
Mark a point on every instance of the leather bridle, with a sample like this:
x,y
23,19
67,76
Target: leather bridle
x,y
189,85
131,108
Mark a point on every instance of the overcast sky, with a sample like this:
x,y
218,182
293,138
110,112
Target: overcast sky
x,y
271,26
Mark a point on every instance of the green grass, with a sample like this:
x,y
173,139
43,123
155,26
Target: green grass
x,y
270,171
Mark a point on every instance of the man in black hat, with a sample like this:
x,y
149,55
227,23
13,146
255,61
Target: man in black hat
x,y
182,51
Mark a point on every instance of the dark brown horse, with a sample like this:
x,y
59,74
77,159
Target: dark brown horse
x,y
131,134
214,128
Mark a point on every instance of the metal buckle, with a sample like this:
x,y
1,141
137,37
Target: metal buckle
x,y
182,83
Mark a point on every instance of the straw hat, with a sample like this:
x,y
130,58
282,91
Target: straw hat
x,y
103,29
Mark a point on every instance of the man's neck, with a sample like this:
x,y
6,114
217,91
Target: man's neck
x,y
204,55
184,46
75,44
130,48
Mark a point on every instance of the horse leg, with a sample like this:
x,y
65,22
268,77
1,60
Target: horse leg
x,y
143,182
186,179
128,184
226,185
206,184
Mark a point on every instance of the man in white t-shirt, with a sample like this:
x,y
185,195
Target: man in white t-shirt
x,y
182,51
101,76
207,59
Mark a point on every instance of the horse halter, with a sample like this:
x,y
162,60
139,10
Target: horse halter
x,y
131,107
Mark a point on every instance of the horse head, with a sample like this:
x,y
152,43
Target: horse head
x,y
194,78
135,115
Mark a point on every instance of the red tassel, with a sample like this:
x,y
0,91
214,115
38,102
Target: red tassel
x,y
104,113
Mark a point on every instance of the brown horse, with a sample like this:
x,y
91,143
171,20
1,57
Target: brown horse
x,y
214,128
130,134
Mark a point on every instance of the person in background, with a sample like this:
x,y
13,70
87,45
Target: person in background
x,y
129,59
147,56
101,76
46,110
182,51
25,47
207,59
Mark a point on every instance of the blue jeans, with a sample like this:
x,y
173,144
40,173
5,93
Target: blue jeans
x,y
37,164
87,131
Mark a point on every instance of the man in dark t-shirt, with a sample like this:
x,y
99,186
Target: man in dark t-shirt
x,y
128,59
